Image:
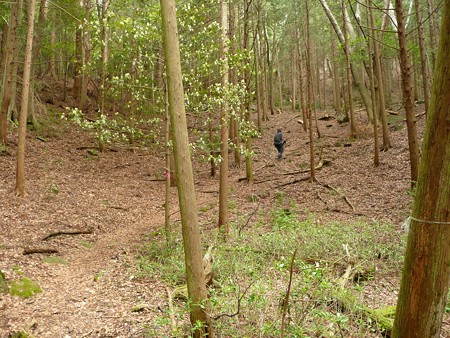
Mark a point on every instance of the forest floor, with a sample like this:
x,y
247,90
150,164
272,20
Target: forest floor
x,y
89,284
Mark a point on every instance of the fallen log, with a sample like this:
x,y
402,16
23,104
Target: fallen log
x,y
30,251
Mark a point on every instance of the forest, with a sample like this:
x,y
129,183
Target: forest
x,y
228,168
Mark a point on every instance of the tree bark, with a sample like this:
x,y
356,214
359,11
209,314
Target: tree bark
x,y
20,168
87,57
223,179
407,94
8,69
195,275
426,272
351,112
423,56
309,100
380,84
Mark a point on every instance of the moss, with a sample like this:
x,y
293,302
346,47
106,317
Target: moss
x,y
3,284
55,260
24,288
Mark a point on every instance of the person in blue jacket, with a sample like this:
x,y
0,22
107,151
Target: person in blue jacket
x,y
279,142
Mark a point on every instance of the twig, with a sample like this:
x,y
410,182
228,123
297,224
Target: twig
x,y
293,182
118,208
67,232
285,306
248,219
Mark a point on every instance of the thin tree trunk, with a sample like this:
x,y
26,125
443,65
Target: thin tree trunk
x,y
248,142
426,272
167,227
78,64
8,69
20,169
234,121
351,112
407,94
380,84
87,56
372,66
257,88
293,82
423,56
223,186
309,101
195,275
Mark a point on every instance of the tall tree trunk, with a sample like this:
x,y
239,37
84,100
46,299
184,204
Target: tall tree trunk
x,y
380,84
351,112
309,91
195,274
223,187
336,82
20,169
372,66
407,94
87,56
167,228
426,272
234,120
78,64
257,87
293,82
8,69
102,8
248,142
423,56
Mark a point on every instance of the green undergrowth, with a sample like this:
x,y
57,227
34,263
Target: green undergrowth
x,y
251,274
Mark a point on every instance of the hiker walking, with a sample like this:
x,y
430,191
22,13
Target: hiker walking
x,y
278,142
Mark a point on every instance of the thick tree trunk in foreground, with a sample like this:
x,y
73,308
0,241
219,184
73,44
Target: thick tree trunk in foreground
x,y
195,275
426,273
20,170
407,94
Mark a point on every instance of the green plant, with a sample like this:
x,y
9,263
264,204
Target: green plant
x,y
24,288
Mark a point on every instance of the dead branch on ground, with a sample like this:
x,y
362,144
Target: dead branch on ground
x,y
238,304
345,198
67,232
30,251
248,219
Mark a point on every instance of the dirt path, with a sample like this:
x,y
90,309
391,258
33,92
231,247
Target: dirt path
x,y
94,292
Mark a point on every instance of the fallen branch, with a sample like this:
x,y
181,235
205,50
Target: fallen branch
x,y
67,232
118,208
238,304
335,190
293,182
248,219
287,122
31,251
